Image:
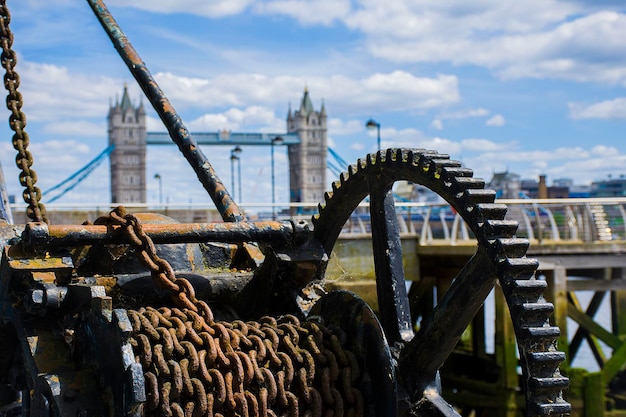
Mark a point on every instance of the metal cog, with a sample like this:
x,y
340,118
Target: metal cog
x,y
500,257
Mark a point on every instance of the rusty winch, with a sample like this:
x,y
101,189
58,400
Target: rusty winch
x,y
137,315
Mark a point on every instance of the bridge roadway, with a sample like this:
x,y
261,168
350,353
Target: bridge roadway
x,y
226,137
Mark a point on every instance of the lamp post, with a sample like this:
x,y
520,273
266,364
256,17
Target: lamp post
x,y
234,156
239,177
373,124
158,177
276,141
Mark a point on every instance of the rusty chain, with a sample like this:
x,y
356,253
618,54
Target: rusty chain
x,y
162,272
17,121
196,366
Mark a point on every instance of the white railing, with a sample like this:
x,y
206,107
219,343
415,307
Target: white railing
x,y
542,221
546,220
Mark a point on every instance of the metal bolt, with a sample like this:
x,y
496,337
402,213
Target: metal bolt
x,y
34,301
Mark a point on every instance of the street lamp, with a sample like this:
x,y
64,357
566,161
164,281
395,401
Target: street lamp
x,y
276,141
158,177
234,156
373,124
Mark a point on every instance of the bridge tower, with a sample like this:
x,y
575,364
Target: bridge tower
x,y
307,160
127,131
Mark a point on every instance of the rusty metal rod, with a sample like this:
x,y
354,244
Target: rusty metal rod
x,y
178,132
54,236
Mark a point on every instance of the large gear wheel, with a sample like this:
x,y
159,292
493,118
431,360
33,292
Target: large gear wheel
x,y
500,258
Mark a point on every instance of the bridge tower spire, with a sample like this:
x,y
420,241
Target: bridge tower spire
x,y
127,131
307,160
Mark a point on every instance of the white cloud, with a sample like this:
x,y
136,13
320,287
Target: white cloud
x,y
465,114
53,93
496,120
78,128
610,109
238,120
307,12
456,115
214,8
413,138
397,90
56,160
603,150
537,39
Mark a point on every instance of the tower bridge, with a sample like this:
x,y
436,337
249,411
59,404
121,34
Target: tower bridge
x,y
306,139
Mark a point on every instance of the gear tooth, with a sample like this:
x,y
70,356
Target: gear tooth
x,y
381,156
335,186
533,314
404,154
545,357
525,291
344,177
424,161
461,184
474,196
483,211
500,228
327,196
551,384
361,163
545,364
441,163
352,170
391,155
458,172
512,247
520,268
437,165
415,156
545,335
553,408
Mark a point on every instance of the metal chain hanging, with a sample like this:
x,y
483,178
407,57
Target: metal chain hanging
x,y
196,366
17,121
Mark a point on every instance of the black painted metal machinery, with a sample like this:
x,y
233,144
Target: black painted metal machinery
x,y
137,315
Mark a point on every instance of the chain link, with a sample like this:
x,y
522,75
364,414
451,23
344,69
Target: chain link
x,y
17,121
196,366
273,367
161,271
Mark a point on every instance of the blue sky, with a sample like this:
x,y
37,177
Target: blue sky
x,y
535,87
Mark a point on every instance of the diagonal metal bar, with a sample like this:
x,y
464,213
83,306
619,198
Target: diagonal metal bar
x,y
441,331
393,301
174,124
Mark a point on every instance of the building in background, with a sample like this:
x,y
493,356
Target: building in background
x,y
613,187
307,160
127,131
